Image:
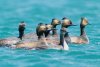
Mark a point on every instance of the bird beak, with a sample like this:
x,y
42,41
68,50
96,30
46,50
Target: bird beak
x,y
73,25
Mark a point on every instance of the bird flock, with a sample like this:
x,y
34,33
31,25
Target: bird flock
x,y
46,36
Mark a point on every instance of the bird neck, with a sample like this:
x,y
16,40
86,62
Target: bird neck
x,y
41,34
63,34
47,33
82,30
54,31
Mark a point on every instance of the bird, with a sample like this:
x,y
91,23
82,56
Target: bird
x,y
54,24
83,38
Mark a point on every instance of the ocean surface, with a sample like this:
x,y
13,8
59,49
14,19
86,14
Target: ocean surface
x,y
12,12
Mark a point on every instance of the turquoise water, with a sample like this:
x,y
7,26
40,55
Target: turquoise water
x,y
36,11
